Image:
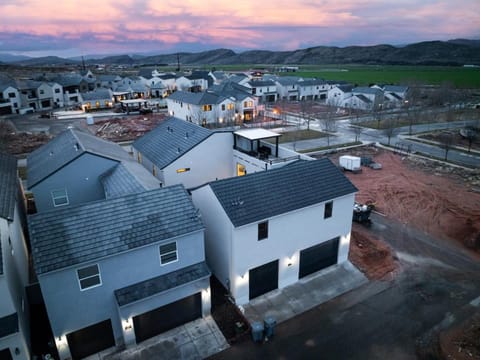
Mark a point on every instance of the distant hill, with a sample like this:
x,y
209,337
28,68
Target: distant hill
x,y
46,60
8,58
452,52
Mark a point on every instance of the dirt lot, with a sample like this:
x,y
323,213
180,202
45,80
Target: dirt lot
x,y
440,200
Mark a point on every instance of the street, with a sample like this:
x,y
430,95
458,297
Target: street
x,y
383,319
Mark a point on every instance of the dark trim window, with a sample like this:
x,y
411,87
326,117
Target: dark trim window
x,y
328,210
89,277
263,230
60,197
168,253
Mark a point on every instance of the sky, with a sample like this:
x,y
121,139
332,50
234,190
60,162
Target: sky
x,y
69,28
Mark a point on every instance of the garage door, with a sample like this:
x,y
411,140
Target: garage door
x,y
318,257
263,279
91,339
167,317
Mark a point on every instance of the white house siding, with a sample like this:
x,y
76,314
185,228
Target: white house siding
x,y
218,234
70,309
288,234
209,160
13,281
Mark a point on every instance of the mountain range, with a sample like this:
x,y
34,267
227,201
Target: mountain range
x,y
452,52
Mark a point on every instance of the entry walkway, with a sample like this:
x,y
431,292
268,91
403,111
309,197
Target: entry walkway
x,y
308,292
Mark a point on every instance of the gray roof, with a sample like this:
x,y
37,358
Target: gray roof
x,y
161,283
262,195
199,98
99,94
395,88
260,83
231,89
345,88
311,82
367,90
8,189
63,149
364,98
288,80
170,140
8,325
88,232
118,181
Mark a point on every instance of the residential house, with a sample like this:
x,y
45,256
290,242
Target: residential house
x,y
10,101
201,108
246,104
180,152
287,87
312,89
118,271
395,95
218,76
337,94
365,98
72,85
40,95
14,315
107,81
267,230
99,99
265,90
71,169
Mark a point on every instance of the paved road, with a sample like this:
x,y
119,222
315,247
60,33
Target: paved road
x,y
382,320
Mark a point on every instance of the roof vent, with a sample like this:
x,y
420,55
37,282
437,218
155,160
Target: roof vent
x,y
179,150
51,153
237,202
76,146
186,135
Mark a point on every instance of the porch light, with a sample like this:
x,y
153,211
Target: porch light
x,y
127,325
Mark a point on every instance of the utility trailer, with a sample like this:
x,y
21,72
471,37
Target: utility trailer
x,y
350,163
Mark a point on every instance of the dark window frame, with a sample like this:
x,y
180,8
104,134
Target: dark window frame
x,y
328,210
263,230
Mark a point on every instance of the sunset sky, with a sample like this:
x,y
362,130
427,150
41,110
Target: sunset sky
x,y
71,28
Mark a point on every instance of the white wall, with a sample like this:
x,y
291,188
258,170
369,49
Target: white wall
x,y
218,233
287,235
209,160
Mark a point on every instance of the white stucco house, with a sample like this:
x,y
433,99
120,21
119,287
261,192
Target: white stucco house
x,y
268,229
14,316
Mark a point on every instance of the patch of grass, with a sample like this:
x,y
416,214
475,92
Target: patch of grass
x,y
297,135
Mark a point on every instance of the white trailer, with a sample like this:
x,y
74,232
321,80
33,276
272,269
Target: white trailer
x,y
350,163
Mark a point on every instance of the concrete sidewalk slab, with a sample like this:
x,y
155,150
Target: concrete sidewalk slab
x,y
313,290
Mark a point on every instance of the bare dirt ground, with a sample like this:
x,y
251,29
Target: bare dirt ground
x,y
440,200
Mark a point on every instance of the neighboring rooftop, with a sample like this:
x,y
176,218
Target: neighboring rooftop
x,y
264,194
66,147
8,188
70,236
199,98
170,140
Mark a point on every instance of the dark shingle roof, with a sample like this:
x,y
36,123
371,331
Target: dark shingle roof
x,y
161,283
200,98
99,94
119,181
66,147
168,141
65,237
261,195
8,325
8,188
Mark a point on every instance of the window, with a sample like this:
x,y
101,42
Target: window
x,y
328,210
168,253
223,107
89,277
11,95
241,171
42,92
248,104
57,90
263,230
207,107
230,106
60,197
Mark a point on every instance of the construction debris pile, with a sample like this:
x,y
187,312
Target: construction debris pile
x,y
125,129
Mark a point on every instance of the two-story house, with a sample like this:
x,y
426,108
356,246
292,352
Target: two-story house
x,y
118,271
14,316
268,229
71,168
265,90
10,100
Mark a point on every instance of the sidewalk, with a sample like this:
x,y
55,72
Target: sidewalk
x,y
313,290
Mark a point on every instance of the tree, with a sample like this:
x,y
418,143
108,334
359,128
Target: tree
x,y
328,123
355,124
391,128
306,112
446,141
378,116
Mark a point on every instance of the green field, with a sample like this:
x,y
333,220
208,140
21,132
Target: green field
x,y
460,77
364,75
